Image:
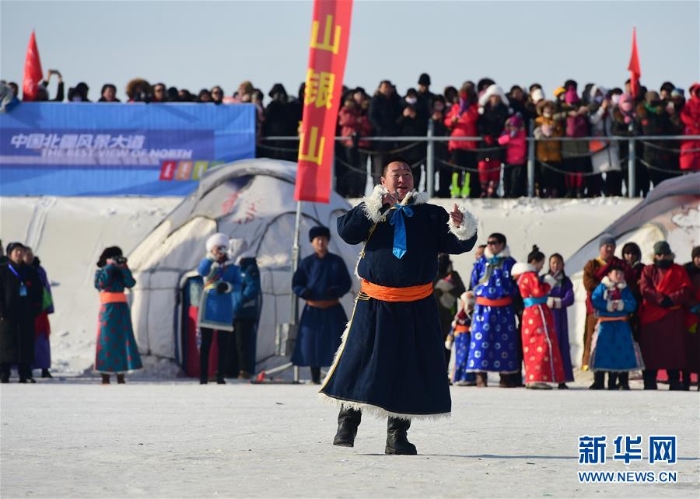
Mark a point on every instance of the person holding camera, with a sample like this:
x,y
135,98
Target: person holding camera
x,y
221,278
117,351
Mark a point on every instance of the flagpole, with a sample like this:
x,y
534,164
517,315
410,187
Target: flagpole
x,y
295,264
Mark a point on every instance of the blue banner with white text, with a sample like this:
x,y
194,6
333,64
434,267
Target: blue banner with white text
x,y
75,149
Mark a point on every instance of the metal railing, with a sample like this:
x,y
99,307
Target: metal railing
x,y
431,139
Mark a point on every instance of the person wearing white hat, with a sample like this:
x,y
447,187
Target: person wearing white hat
x,y
221,278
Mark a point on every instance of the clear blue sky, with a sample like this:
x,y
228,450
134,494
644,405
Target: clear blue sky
x,y
196,44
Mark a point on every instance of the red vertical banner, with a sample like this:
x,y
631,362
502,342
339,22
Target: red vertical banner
x,y
634,67
328,51
32,71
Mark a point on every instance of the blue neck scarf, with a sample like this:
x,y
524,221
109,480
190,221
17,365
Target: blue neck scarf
x,y
399,224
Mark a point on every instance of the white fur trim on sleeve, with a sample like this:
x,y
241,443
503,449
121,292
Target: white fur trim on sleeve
x,y
611,306
467,228
549,279
620,305
373,203
520,268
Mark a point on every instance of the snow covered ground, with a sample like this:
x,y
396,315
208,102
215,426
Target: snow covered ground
x,y
75,438
164,436
68,235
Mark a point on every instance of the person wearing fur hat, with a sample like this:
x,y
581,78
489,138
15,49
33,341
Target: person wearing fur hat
x,y
541,354
116,348
614,349
494,111
20,304
322,279
221,278
593,273
692,319
492,350
391,361
666,289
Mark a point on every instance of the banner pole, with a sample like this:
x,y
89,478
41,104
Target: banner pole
x,y
295,264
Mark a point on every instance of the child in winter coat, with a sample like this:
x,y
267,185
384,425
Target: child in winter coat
x,y
459,338
514,140
613,348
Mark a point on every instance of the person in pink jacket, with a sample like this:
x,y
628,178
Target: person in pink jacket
x,y
514,139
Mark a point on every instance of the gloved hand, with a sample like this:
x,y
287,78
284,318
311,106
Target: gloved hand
x,y
306,294
620,305
223,287
666,302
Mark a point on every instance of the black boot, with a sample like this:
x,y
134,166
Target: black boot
x,y
315,375
674,379
686,380
45,373
120,379
623,381
598,381
649,376
396,438
348,421
612,381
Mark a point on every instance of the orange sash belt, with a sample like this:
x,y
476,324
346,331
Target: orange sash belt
x,y
612,319
385,293
112,297
460,329
500,302
322,303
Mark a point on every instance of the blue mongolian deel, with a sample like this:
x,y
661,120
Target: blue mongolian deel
x,y
70,149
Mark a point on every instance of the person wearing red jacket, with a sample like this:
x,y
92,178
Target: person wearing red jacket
x,y
690,117
514,139
351,177
461,121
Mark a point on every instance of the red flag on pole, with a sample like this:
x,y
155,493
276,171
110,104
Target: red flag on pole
x,y
32,70
328,50
634,67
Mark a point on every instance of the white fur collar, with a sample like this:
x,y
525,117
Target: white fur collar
x,y
521,268
373,202
611,285
505,253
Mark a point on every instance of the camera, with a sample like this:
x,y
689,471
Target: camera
x,y
120,260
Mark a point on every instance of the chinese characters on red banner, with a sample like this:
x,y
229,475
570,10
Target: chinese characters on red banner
x,y
330,34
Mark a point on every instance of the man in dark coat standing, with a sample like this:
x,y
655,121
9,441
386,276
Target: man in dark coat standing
x,y
20,303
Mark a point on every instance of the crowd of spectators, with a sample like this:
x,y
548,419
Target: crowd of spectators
x,y
581,133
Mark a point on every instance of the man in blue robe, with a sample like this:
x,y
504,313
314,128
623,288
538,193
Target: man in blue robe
x,y
391,362
321,279
495,344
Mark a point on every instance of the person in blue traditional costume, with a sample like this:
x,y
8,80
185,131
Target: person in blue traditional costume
x,y
391,361
321,279
221,278
495,343
117,351
613,348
